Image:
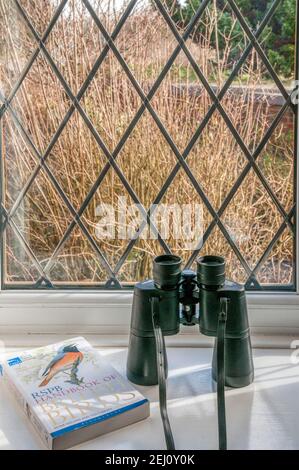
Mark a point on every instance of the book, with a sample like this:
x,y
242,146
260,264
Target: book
x,y
71,394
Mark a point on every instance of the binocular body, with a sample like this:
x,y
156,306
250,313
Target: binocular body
x,y
189,298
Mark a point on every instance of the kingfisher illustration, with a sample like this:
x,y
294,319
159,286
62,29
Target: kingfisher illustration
x,y
67,357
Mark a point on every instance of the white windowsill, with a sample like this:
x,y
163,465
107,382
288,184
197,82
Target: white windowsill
x,y
263,415
274,317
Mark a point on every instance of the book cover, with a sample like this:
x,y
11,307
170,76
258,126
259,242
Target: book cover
x,y
70,393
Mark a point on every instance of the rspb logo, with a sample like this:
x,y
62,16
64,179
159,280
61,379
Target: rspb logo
x,y
14,361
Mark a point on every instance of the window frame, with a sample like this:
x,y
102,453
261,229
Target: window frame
x,y
107,312
274,318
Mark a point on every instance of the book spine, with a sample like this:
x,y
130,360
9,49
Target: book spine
x,y
28,411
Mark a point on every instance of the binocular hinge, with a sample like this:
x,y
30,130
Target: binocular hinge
x,y
162,372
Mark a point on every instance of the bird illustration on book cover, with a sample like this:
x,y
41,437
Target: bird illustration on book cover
x,y
66,359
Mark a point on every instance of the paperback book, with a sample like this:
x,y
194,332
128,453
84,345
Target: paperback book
x,y
71,394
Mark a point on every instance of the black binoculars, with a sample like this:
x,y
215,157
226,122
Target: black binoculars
x,y
177,297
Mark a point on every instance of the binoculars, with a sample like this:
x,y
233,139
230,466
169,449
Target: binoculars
x,y
176,297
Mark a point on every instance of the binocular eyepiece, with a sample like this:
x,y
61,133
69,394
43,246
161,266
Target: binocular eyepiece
x,y
211,271
167,271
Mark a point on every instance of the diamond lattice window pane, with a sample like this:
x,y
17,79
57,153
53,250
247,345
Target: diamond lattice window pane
x,y
18,159
252,219
182,216
146,43
77,149
145,162
16,46
112,217
40,103
217,243
40,12
253,102
278,268
181,100
111,113
20,267
146,112
216,160
138,265
42,218
75,43
77,263
276,161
